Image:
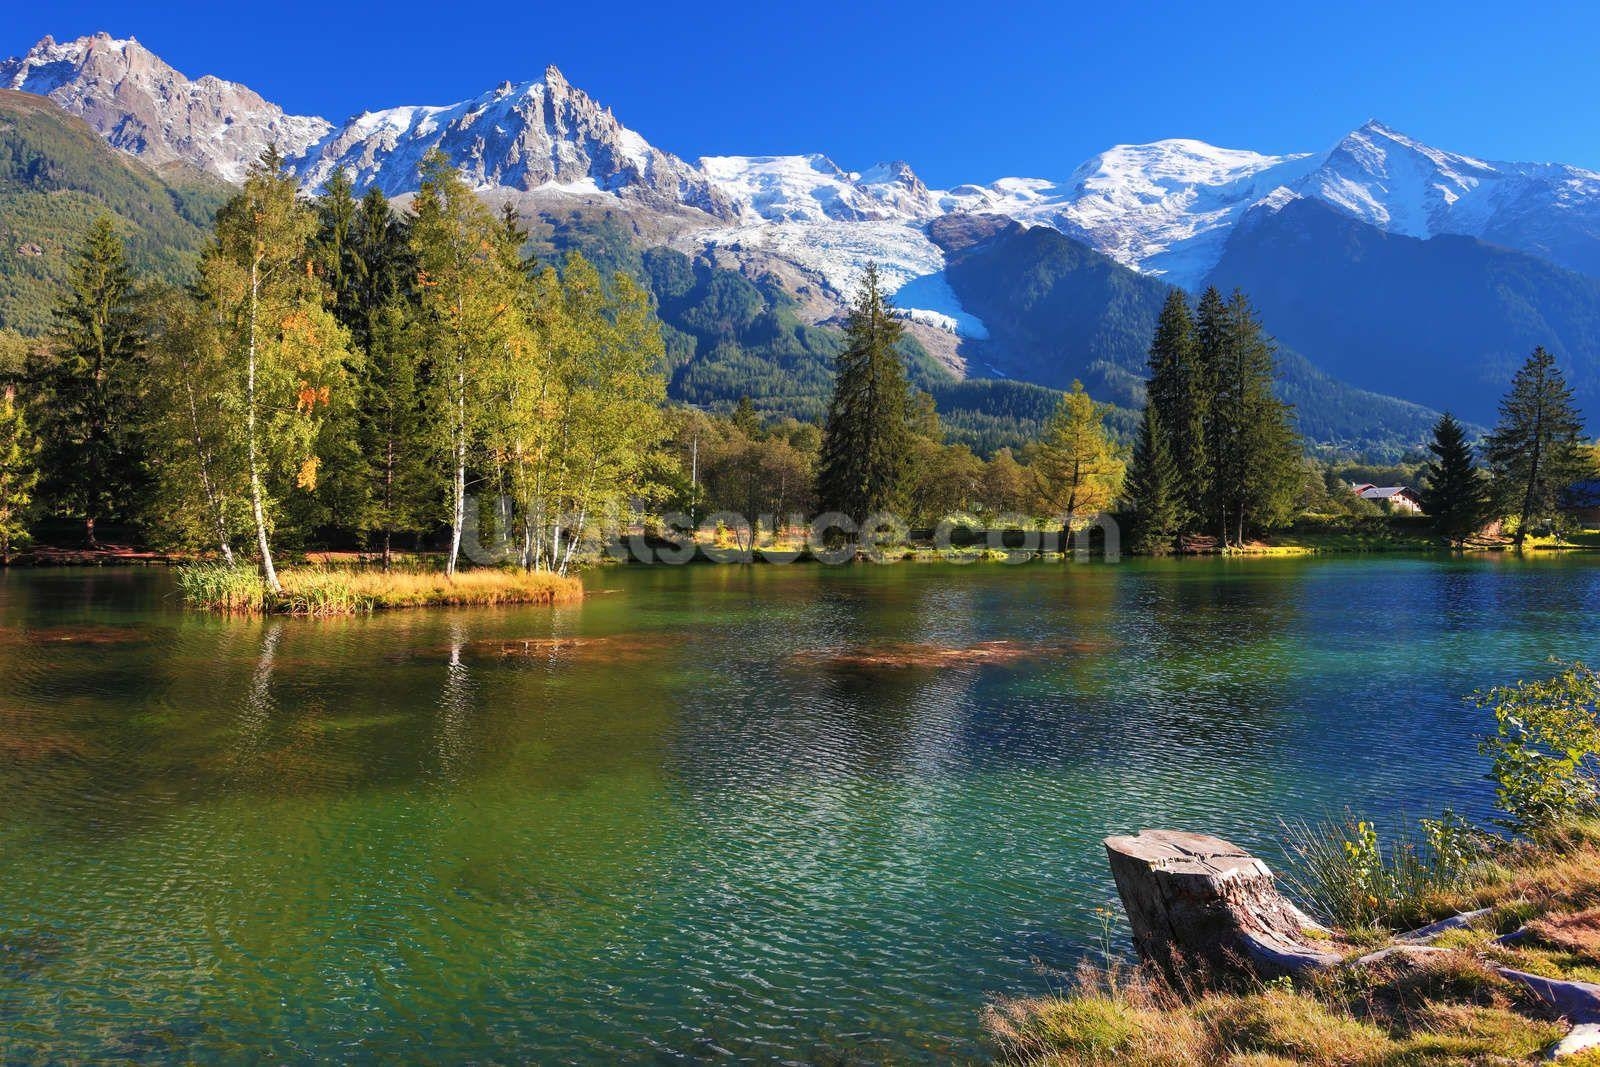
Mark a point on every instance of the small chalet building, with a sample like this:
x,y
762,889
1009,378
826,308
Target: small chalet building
x,y
1395,497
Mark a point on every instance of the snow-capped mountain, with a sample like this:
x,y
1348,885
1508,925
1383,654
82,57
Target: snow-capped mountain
x,y
142,106
1401,185
1167,208
814,188
524,137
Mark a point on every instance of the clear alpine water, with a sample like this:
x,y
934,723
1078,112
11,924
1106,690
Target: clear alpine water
x,y
686,820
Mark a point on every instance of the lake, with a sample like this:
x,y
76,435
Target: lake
x,y
680,821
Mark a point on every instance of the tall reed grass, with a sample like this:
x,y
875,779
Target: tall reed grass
x,y
1343,868
321,591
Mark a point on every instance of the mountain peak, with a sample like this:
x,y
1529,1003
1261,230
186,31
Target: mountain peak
x,y
554,78
143,106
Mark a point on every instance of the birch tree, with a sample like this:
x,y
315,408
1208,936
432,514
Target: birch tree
x,y
197,447
286,351
469,316
600,405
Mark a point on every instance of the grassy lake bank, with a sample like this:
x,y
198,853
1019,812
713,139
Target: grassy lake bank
x,y
1534,910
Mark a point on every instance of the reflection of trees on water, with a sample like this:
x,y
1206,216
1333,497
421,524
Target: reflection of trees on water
x,y
457,700
253,722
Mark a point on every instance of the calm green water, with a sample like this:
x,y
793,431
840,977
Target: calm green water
x,y
673,838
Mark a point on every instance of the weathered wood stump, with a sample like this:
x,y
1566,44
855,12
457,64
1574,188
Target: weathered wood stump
x,y
1197,899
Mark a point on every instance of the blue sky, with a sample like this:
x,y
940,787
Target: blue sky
x,y
964,92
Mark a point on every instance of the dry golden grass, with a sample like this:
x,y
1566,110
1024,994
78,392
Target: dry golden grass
x,y
320,591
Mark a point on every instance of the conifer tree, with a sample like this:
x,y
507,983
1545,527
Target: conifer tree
x,y
91,443
1154,488
1254,453
746,419
286,350
18,472
1536,450
1454,494
337,250
1179,392
382,268
865,439
1076,468
395,442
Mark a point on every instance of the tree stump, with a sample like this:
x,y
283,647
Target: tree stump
x,y
1195,899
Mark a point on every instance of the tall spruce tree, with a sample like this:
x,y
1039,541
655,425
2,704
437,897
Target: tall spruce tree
x,y
866,438
395,441
92,449
363,255
1254,453
1454,494
1180,393
336,248
382,268
18,472
1536,450
1154,488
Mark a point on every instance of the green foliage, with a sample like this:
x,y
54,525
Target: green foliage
x,y
196,444
1154,489
1228,459
1454,494
941,481
1545,746
1345,870
92,384
864,442
1252,451
18,472
764,474
375,446
285,353
605,391
989,414
1180,393
56,176
1536,450
398,451
468,281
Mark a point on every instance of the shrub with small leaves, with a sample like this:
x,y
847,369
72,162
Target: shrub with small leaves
x,y
1545,747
